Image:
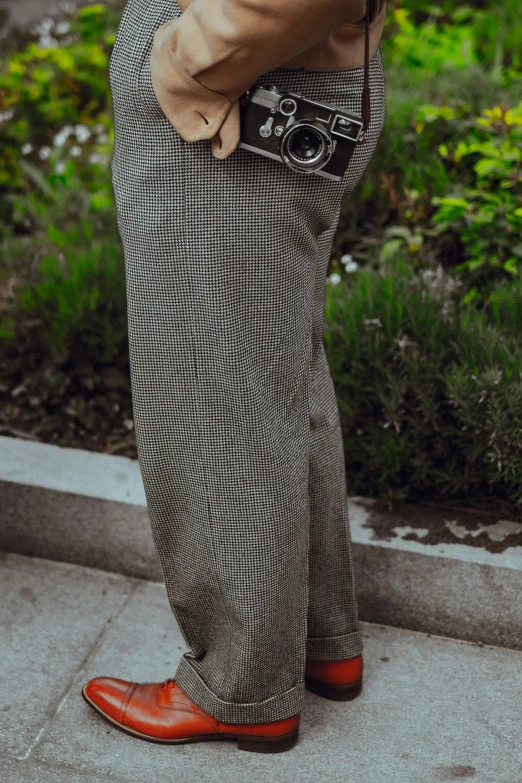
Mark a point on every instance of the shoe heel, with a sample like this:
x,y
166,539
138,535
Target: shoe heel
x,y
269,744
334,692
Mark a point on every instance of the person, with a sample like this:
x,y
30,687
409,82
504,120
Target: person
x,y
236,419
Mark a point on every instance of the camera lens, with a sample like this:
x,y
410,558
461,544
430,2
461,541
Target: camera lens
x,y
305,144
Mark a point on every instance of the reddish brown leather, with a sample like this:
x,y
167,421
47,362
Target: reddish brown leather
x,y
163,711
336,672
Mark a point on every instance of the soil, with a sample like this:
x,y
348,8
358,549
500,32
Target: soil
x,y
17,423
73,407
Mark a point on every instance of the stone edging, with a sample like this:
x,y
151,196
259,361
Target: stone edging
x,y
88,508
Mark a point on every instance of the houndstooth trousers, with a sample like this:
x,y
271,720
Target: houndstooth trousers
x,y
236,419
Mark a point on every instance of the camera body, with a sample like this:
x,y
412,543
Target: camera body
x,y
308,136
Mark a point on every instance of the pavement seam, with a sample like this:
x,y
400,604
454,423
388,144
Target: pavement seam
x,y
61,766
134,585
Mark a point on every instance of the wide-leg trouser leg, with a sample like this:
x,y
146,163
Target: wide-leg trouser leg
x,y
221,260
333,628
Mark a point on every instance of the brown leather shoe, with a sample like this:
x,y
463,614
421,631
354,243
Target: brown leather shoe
x,y
337,680
161,712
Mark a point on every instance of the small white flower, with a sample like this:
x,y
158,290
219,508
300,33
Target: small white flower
x,y
95,158
62,28
26,148
60,139
82,133
60,167
46,25
403,341
7,115
47,42
349,264
102,138
98,128
334,278
75,151
44,152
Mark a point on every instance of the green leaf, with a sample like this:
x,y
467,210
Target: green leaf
x,y
55,235
389,249
37,177
485,166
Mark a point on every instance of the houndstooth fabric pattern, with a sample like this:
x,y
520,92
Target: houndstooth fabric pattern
x,y
237,424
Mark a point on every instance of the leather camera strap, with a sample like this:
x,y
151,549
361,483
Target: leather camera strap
x,y
365,101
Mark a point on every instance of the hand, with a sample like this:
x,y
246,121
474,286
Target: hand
x,y
228,137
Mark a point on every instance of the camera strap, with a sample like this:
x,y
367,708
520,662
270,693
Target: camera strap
x,y
365,100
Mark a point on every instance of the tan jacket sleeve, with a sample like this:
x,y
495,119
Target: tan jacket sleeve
x,y
202,61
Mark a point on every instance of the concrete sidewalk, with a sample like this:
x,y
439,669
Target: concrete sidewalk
x,y
432,709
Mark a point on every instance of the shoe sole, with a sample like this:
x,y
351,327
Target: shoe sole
x,y
249,743
331,691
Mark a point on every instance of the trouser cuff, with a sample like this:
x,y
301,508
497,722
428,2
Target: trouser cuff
x,y
334,648
278,707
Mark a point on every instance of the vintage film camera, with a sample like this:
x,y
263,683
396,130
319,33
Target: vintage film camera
x,y
308,136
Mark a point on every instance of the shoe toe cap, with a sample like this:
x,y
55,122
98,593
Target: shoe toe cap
x,y
108,694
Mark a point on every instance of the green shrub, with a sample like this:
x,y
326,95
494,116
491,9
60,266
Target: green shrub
x,y
75,281
484,206
434,61
495,26
55,97
63,328
448,161
474,223
430,393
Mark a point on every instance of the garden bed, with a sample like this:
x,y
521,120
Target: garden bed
x,y
423,331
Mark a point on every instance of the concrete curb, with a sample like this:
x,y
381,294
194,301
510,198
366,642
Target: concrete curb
x,y
90,509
